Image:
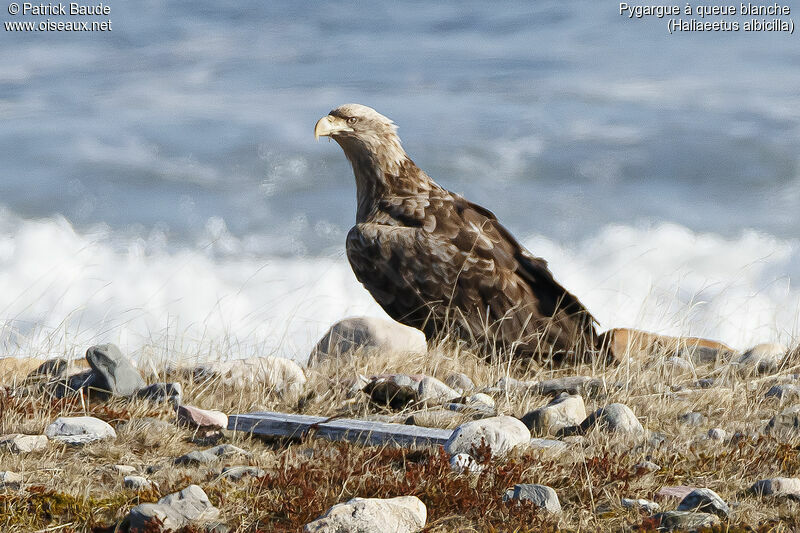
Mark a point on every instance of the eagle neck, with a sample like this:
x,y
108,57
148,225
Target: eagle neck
x,y
380,171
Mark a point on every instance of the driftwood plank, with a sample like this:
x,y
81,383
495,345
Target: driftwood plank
x,y
350,429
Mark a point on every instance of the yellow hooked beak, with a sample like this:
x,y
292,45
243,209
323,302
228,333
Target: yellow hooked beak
x,y
330,125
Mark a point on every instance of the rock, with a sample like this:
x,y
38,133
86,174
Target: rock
x,y
762,359
516,386
644,505
562,412
570,385
162,392
210,455
236,473
781,487
369,334
547,445
10,479
125,469
481,399
499,433
137,483
474,409
615,418
647,466
463,462
114,373
676,493
18,443
540,496
79,430
201,418
704,500
403,514
785,392
66,386
691,419
175,511
684,521
785,424
460,382
398,390
432,390
705,383
717,434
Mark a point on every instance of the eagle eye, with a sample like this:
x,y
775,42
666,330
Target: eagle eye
x,y
352,120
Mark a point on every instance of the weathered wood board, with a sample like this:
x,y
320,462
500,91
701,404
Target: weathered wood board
x,y
350,429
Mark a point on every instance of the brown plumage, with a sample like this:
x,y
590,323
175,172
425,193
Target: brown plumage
x,y
437,262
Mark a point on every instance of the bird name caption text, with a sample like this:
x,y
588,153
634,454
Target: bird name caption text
x,y
690,17
59,16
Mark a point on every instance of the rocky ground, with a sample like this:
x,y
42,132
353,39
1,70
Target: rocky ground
x,y
674,437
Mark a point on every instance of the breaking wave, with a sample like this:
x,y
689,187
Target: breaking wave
x,y
62,290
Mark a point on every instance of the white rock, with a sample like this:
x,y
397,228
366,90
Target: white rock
x,y
762,358
351,334
432,390
174,510
463,462
644,505
18,443
137,483
125,469
499,433
562,412
704,500
79,430
404,514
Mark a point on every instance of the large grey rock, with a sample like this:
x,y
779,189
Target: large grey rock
x,y
541,496
403,514
175,511
551,446
685,520
18,443
274,374
705,500
499,433
562,412
79,430
616,418
782,487
113,372
763,358
460,382
367,333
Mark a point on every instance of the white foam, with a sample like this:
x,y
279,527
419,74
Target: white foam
x,y
61,290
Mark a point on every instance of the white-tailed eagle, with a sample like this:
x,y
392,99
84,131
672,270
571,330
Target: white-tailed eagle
x,y
436,261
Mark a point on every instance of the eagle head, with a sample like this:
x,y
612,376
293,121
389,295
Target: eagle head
x,y
364,135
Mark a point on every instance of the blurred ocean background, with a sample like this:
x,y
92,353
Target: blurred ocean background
x,y
160,185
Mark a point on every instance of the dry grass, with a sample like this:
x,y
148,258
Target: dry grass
x,y
78,489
